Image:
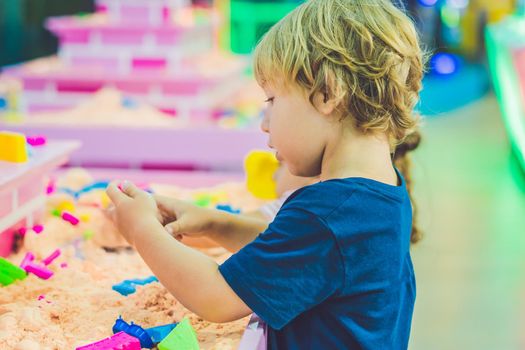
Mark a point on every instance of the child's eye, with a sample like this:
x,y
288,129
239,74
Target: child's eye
x,y
270,99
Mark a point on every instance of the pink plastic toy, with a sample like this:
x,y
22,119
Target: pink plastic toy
x,y
28,259
50,187
36,141
40,297
52,257
73,220
38,228
39,271
119,341
22,231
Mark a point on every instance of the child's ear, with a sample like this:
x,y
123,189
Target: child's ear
x,y
324,104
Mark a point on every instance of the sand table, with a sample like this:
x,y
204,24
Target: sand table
x,y
106,108
76,305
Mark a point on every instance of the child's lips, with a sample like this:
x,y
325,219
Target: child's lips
x,y
276,152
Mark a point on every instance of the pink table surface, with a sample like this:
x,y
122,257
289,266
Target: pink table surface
x,y
207,148
44,159
186,179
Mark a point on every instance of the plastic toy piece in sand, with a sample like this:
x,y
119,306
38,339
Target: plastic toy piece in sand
x,y
52,257
96,186
127,287
119,341
50,188
202,200
10,273
158,333
28,259
38,229
100,185
13,147
181,337
73,220
227,208
39,271
68,206
135,331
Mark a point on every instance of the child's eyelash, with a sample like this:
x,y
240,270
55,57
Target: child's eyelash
x,y
270,99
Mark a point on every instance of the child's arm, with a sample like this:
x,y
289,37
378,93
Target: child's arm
x,y
192,277
230,231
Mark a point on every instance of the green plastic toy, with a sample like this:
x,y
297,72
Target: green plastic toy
x,y
182,337
10,273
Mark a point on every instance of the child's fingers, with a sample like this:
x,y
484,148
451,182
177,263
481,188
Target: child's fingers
x,y
168,203
131,190
110,213
115,194
162,202
172,228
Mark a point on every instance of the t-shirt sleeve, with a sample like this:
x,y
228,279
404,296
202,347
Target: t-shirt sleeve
x,y
288,269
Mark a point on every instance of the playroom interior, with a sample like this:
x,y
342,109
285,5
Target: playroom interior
x,y
162,93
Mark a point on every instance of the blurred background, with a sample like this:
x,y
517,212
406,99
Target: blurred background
x,y
160,92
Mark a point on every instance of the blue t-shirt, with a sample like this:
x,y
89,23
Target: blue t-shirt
x,y
333,270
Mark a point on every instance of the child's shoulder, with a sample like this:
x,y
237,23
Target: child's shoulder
x,y
324,197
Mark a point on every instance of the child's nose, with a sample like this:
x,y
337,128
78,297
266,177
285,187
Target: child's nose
x,y
265,122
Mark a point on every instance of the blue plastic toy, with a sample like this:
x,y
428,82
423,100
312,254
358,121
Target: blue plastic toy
x,y
127,287
228,208
100,185
158,333
135,331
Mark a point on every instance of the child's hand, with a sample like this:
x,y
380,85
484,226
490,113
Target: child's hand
x,y
184,219
133,209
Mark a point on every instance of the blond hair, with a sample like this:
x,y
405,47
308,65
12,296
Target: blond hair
x,y
364,54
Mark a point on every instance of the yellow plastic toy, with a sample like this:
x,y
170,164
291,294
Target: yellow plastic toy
x,y
66,206
13,147
260,167
104,200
